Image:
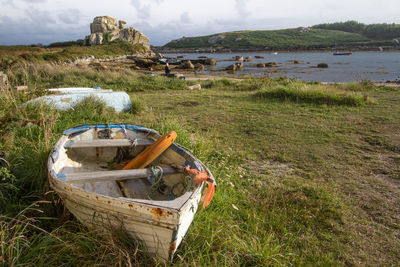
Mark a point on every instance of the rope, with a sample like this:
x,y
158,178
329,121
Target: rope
x,y
134,142
155,179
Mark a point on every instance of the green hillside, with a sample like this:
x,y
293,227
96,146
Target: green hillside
x,y
299,38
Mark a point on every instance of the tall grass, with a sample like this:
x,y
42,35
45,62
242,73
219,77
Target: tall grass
x,y
39,77
315,94
257,218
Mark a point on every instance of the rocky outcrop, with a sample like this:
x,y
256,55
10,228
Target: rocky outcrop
x,y
322,65
105,29
248,59
210,61
198,66
215,39
235,67
271,64
186,65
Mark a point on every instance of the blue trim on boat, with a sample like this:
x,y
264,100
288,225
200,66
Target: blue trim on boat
x,y
178,150
83,128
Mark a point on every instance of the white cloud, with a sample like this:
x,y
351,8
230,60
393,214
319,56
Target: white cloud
x,y
185,18
70,16
241,9
34,1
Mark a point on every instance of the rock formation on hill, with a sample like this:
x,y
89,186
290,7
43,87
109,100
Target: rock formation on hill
x,y
105,29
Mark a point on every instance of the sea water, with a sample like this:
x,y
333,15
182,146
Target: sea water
x,y
360,66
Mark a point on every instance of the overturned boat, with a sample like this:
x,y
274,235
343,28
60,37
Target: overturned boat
x,y
127,176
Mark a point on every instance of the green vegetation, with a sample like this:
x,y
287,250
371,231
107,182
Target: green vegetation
x,y
317,94
348,34
22,55
305,182
300,38
381,31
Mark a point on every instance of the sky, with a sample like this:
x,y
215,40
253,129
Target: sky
x,y
47,21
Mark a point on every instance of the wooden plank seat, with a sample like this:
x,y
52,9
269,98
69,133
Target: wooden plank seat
x,y
118,175
107,143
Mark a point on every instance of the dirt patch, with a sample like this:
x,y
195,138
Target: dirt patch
x,y
268,168
188,103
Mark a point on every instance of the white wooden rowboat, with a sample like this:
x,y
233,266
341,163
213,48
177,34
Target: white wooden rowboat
x,y
159,212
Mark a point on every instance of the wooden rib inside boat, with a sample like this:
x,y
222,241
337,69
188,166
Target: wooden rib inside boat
x,y
156,203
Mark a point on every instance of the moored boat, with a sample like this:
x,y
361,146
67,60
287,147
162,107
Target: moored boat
x,y
155,203
342,53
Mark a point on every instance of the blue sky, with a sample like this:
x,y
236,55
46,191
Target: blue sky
x,y
46,21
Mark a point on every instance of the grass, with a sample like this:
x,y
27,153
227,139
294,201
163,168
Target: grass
x,y
301,181
21,56
315,94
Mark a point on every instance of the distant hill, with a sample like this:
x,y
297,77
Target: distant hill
x,y
316,37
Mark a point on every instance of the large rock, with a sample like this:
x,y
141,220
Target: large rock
x,y
210,61
186,65
198,66
103,24
105,28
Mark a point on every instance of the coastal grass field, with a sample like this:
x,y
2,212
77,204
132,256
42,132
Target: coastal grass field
x,y
299,38
308,174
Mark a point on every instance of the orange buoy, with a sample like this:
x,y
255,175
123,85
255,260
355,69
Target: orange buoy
x,y
200,177
151,152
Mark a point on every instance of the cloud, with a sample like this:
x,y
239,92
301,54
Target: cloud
x,y
241,9
35,1
70,16
37,27
144,10
185,18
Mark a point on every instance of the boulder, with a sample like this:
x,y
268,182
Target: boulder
x,y
198,66
210,61
271,64
232,67
133,36
238,58
105,28
121,24
259,56
322,65
239,65
186,65
96,39
248,59
193,87
260,65
103,24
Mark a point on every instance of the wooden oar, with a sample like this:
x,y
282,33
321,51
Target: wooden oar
x,y
101,176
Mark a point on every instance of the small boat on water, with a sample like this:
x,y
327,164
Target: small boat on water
x,y
342,53
154,202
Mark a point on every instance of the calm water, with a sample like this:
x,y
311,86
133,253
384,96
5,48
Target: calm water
x,y
374,66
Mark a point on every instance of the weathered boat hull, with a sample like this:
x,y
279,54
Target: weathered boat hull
x,y
161,225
